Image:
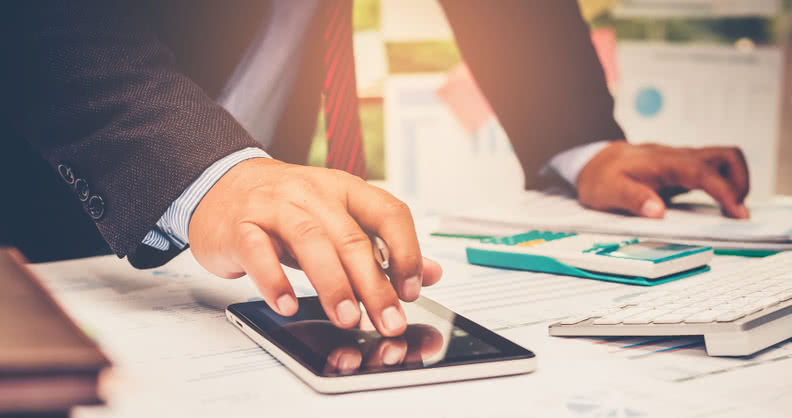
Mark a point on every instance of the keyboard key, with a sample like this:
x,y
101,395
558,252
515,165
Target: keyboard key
x,y
703,317
632,311
767,302
643,318
785,296
572,320
730,316
609,320
669,318
689,310
751,309
600,312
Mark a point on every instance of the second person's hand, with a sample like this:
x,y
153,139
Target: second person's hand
x,y
264,212
640,179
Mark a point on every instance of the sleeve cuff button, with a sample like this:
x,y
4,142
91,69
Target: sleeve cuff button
x,y
96,207
81,187
66,173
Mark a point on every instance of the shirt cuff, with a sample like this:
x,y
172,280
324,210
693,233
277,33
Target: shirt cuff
x,y
173,226
569,163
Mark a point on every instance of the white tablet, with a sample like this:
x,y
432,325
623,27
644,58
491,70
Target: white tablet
x,y
438,346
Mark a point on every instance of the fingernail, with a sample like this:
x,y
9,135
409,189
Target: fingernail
x,y
287,305
411,288
652,209
347,312
742,212
393,319
392,355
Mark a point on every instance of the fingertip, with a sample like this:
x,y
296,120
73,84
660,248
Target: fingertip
x,y
432,271
741,212
411,288
287,304
393,322
652,209
347,313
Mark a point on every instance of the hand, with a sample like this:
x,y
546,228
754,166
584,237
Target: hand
x,y
345,353
641,178
263,212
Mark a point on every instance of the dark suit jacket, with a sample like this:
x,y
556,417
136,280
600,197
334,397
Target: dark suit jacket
x,y
108,116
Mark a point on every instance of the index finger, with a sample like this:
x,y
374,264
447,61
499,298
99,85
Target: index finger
x,y
695,174
731,165
380,212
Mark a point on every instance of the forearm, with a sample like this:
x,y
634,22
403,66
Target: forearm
x,y
535,63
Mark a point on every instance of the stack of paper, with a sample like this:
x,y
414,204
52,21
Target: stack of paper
x,y
770,226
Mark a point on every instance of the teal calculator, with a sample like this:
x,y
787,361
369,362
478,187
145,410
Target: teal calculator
x,y
612,258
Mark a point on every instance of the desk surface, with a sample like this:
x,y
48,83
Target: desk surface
x,y
177,356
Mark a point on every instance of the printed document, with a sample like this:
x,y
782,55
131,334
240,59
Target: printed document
x,y
770,224
176,355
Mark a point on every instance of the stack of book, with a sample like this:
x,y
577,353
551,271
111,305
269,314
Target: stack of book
x,y
47,363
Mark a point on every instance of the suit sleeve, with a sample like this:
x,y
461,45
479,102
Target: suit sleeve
x,y
535,63
102,100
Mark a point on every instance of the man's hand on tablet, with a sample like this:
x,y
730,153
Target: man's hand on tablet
x,y
265,212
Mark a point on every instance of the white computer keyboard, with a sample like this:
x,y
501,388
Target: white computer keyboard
x,y
738,311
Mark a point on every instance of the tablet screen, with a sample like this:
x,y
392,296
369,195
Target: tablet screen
x,y
435,337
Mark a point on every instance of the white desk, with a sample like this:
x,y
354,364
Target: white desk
x,y
177,356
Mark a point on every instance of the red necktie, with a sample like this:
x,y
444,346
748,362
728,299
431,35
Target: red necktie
x,y
342,120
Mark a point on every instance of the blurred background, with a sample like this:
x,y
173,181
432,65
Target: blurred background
x,y
683,72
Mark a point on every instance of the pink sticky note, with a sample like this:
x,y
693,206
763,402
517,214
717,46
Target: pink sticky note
x,y
604,40
465,99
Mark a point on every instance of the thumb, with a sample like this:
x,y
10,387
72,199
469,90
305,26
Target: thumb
x,y
432,271
638,198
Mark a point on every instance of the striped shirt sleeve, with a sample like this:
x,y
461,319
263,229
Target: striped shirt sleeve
x,y
172,227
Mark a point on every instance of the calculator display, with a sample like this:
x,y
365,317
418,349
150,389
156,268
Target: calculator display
x,y
656,252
